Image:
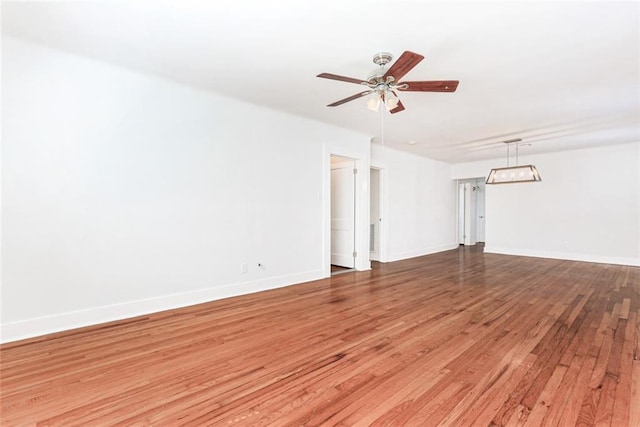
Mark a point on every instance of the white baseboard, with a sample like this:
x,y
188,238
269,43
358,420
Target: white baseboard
x,y
421,252
564,255
34,327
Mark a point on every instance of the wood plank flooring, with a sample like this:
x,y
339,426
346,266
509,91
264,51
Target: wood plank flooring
x,y
458,338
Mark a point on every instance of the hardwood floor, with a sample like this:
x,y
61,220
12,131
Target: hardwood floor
x,y
457,338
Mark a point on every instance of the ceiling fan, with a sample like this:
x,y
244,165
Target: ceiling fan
x,y
384,84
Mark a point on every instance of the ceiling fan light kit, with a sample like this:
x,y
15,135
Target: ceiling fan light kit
x,y
390,101
513,174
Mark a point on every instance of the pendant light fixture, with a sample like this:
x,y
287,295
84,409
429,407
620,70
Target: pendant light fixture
x,y
513,174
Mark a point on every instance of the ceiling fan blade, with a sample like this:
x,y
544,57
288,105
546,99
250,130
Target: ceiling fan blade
x,y
398,108
341,78
403,65
351,98
430,86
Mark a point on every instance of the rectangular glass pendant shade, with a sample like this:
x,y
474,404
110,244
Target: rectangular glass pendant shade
x,y
513,174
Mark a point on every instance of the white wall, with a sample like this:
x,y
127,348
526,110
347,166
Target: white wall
x,y
421,216
586,208
125,194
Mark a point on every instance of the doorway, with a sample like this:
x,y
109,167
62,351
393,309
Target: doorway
x,y
343,214
375,214
471,211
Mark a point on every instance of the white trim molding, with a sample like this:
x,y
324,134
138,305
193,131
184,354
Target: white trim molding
x,y
35,327
564,256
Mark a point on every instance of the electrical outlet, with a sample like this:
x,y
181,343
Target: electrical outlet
x,y
243,267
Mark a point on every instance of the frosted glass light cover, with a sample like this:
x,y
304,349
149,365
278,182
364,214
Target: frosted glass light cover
x,y
373,104
513,174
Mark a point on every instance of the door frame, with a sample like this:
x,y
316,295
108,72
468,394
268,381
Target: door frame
x,y
467,214
361,201
383,229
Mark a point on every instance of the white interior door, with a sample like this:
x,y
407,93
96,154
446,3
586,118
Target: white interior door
x,y
343,214
469,207
469,217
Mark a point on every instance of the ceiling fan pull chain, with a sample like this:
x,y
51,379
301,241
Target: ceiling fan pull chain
x,y
382,125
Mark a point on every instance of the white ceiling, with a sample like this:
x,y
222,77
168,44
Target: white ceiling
x,y
560,75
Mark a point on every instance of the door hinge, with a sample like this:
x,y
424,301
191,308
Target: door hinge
x,y
355,254
355,171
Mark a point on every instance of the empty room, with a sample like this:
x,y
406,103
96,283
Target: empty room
x,y
337,213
